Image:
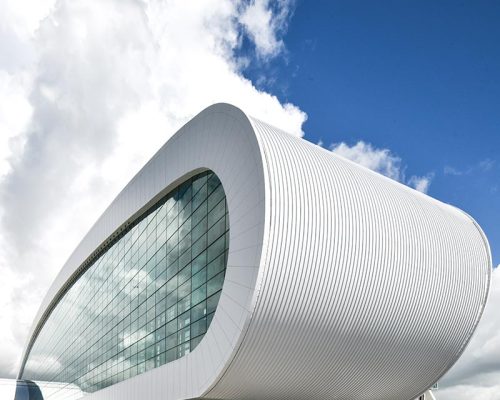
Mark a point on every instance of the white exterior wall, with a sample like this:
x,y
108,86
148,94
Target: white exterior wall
x,y
341,283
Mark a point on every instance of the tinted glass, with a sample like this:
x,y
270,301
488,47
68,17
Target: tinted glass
x,y
148,299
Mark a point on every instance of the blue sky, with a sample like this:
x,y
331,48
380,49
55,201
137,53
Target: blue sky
x,y
420,78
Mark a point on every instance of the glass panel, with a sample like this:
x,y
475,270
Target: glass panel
x,y
199,279
198,311
148,299
215,284
199,327
216,266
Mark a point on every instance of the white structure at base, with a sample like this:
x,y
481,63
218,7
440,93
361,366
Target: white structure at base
x,y
341,283
428,395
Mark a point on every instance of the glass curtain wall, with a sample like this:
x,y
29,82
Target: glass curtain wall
x,y
147,300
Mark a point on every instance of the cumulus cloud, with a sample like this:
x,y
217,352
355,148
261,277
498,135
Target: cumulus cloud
x,y
382,161
379,160
262,22
15,112
476,375
89,93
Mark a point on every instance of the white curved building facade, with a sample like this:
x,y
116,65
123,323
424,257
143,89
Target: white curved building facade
x,y
332,281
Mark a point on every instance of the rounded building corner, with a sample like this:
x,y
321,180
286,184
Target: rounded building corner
x,y
334,276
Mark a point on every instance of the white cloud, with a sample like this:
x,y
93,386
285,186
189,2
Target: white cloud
x,y
382,161
379,160
15,113
468,392
263,23
476,375
421,183
91,91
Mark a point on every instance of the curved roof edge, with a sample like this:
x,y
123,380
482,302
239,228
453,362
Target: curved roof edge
x,y
220,138
340,281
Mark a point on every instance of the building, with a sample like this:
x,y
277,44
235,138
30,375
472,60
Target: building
x,y
244,263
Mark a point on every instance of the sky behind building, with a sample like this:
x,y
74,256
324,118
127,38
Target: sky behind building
x,y
409,89
420,79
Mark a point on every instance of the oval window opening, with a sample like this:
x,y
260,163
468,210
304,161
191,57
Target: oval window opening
x,y
146,300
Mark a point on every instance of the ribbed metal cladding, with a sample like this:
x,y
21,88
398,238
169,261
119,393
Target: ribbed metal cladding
x,y
340,283
220,139
367,289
